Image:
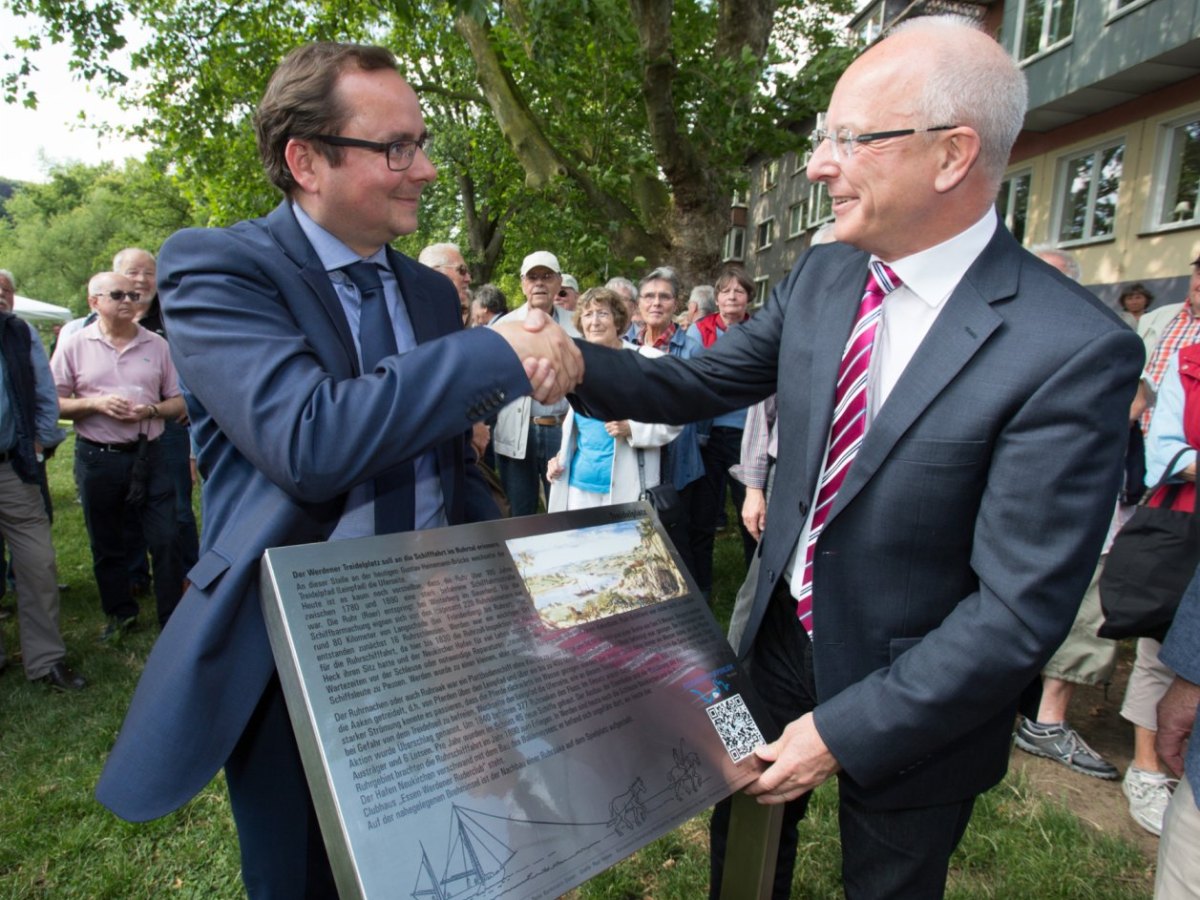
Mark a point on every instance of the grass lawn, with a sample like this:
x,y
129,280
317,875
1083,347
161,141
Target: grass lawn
x,y
57,842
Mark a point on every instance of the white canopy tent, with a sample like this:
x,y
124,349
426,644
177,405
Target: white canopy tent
x,y
39,311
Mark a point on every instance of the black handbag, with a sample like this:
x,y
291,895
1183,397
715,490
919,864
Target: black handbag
x,y
667,504
1150,563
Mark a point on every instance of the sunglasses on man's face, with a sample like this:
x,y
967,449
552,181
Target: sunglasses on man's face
x,y
118,296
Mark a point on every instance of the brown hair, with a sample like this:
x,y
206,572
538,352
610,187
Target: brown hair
x,y
599,296
1136,288
734,273
302,101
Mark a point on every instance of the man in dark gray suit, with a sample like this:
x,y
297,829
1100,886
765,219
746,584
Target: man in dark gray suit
x,y
917,575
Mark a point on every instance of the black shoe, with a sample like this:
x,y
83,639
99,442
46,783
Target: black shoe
x,y
138,589
62,678
118,626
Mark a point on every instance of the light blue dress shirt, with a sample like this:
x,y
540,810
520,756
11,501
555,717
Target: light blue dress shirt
x,y
1165,437
358,518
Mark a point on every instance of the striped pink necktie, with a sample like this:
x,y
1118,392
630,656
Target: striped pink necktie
x,y
849,420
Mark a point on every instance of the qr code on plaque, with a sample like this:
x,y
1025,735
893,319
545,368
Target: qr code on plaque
x,y
736,726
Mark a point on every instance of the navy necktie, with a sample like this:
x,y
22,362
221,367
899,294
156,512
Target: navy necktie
x,y
376,339
375,334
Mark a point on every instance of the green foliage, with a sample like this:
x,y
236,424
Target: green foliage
x,y
580,76
7,187
58,234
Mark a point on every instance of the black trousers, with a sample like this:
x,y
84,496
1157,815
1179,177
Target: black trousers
x,y
886,853
723,450
283,855
103,477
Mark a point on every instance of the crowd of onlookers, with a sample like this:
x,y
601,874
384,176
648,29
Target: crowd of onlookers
x,y
110,374
1159,429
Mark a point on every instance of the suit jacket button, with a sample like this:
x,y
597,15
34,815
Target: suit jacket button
x,y
804,509
770,576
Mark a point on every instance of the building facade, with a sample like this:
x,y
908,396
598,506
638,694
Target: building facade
x,y
1107,166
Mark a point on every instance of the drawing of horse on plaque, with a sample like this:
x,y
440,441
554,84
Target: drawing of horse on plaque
x,y
628,810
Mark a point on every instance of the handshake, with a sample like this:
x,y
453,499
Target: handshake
x,y
552,362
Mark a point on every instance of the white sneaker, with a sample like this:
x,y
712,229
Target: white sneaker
x,y
1148,794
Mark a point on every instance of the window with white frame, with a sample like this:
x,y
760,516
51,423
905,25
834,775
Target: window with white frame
x,y
735,244
741,197
770,175
870,25
795,219
820,207
765,234
1087,194
1177,174
1012,203
1043,24
762,290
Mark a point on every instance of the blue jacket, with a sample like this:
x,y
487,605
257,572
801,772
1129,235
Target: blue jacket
x,y
285,425
682,463
1181,651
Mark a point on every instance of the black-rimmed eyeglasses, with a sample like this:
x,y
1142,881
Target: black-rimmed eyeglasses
x,y
399,154
843,139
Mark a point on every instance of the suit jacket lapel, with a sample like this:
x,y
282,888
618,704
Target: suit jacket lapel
x,y
959,332
421,315
291,239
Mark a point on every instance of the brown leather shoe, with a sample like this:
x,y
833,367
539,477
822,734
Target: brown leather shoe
x,y
62,678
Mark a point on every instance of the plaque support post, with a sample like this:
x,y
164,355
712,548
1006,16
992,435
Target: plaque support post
x,y
751,848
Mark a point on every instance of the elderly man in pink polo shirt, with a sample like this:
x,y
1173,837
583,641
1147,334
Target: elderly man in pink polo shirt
x,y
115,380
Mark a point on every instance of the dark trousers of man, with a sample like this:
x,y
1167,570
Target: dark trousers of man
x,y
522,478
103,475
283,855
886,853
176,447
724,449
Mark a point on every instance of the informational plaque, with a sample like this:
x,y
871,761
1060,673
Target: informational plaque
x,y
504,709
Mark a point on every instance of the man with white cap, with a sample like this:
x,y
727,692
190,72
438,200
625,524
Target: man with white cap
x,y
568,294
528,433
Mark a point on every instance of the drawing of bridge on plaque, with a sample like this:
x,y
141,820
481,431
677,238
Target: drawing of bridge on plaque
x,y
489,855
591,573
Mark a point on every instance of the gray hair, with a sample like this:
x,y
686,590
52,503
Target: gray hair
x,y
1067,264
622,286
434,254
129,251
491,298
4,273
705,299
985,90
662,273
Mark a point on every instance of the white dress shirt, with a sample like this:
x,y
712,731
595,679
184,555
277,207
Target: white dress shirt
x,y
927,280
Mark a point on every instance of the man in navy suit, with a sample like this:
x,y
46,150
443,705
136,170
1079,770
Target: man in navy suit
x,y
308,430
951,559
